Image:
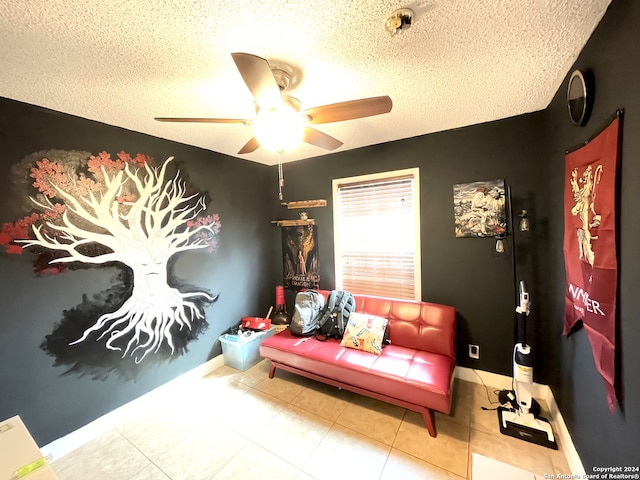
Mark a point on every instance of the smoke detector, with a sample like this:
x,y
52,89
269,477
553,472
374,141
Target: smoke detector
x,y
399,21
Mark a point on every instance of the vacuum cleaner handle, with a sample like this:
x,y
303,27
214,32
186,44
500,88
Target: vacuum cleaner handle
x,y
524,307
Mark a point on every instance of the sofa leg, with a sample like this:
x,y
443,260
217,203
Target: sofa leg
x,y
430,422
272,370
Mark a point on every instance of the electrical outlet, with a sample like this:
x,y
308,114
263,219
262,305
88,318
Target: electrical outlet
x,y
474,351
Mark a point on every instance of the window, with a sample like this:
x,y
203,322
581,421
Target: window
x,y
377,234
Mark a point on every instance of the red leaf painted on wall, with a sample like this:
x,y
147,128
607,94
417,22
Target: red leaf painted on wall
x,y
47,174
59,175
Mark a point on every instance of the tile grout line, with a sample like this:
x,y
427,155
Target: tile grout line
x,y
335,423
249,382
290,403
151,462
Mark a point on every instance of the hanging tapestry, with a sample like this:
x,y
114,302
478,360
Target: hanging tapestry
x,y
590,247
300,257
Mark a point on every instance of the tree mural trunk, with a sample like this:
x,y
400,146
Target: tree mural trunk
x,y
148,316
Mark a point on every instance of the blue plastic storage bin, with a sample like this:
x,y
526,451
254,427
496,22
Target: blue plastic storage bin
x,y
243,354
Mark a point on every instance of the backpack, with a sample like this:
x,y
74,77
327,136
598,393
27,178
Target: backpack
x,y
335,315
307,307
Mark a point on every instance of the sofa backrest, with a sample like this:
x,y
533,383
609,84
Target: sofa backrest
x,y
424,326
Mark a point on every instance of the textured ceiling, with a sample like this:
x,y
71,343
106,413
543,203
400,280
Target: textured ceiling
x,y
123,62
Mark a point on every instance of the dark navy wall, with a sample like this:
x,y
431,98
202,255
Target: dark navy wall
x,y
601,438
463,272
528,151
53,404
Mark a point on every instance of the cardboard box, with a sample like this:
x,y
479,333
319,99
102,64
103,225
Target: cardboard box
x,y
256,323
19,450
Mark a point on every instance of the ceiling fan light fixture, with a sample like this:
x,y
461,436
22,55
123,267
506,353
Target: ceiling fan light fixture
x,y
279,129
280,124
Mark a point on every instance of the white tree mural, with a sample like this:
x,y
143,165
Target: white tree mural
x,y
131,215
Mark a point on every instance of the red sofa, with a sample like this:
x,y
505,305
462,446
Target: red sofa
x,y
415,371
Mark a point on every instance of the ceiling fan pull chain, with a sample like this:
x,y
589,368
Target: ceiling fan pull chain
x,y
280,175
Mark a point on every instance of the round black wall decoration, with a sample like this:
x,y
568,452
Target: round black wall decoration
x,y
579,97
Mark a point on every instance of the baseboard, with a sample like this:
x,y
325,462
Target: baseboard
x,y
539,391
62,446
564,438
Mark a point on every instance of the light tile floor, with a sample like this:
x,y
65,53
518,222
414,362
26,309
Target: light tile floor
x,y
243,425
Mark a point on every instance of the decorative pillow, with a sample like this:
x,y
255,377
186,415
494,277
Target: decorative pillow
x,y
364,332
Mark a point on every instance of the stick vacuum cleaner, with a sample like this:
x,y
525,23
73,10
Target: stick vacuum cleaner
x,y
522,419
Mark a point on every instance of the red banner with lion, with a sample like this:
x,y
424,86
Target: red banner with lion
x,y
590,247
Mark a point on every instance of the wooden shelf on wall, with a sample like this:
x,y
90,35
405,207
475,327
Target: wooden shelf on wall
x,y
306,204
294,223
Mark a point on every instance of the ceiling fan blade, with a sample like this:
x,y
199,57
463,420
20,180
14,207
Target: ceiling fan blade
x,y
203,120
257,74
251,146
338,112
319,139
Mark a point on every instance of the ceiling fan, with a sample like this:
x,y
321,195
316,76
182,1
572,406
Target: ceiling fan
x,y
280,124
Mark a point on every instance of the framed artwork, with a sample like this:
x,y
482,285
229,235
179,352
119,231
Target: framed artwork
x,y
479,209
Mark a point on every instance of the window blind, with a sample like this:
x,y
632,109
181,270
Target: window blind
x,y
377,236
